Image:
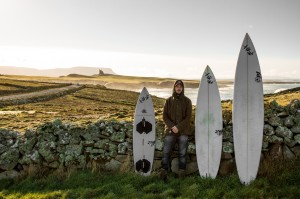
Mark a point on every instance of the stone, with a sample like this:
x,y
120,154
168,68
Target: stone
x,y
297,138
228,133
283,132
191,149
287,153
74,150
122,148
129,132
64,138
87,136
57,122
289,142
296,129
45,150
75,133
159,145
9,159
226,156
88,143
35,157
27,145
297,119
112,165
29,134
268,130
273,139
81,162
265,145
289,121
116,127
275,151
109,130
118,137
275,121
11,174
94,131
102,126
283,114
226,167
113,150
3,148
102,144
97,151
296,151
228,147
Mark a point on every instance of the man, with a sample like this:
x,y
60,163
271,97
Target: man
x,y
176,115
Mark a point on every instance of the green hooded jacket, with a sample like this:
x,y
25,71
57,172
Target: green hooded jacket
x,y
177,112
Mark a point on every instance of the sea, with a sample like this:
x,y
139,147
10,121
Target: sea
x,y
226,93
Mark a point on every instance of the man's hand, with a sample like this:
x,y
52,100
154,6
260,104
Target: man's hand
x,y
175,129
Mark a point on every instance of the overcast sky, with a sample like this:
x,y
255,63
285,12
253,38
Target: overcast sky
x,y
166,38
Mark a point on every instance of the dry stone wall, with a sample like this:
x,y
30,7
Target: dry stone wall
x,y
107,145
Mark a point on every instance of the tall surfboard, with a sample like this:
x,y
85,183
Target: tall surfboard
x,y
209,125
248,112
144,134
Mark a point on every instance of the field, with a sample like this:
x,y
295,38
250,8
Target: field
x,y
88,104
92,102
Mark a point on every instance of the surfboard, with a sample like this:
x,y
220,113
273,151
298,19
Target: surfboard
x,y
144,134
209,125
248,112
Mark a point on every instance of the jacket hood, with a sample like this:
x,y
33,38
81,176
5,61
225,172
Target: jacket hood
x,y
174,92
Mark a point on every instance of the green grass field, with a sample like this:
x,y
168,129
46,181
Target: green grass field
x,y
282,181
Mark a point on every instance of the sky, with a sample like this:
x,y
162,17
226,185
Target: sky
x,y
162,38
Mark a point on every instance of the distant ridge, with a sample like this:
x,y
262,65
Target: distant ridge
x,y
56,72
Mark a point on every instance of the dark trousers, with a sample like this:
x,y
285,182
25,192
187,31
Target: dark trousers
x,y
169,143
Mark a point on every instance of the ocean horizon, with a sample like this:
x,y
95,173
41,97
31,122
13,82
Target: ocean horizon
x,y
226,93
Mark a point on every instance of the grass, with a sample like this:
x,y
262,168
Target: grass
x,y
281,182
94,102
86,105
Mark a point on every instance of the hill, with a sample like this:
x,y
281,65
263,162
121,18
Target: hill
x,y
56,72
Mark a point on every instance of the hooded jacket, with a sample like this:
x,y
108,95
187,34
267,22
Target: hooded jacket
x,y
177,112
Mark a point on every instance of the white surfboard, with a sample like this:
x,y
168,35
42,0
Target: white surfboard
x,y
144,134
209,125
248,112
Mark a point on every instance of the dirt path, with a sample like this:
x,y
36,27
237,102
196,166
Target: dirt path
x,y
38,93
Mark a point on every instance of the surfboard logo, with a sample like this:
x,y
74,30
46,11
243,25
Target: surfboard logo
x,y
248,50
258,77
144,111
209,78
144,98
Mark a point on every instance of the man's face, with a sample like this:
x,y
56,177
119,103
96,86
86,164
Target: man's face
x,y
178,88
